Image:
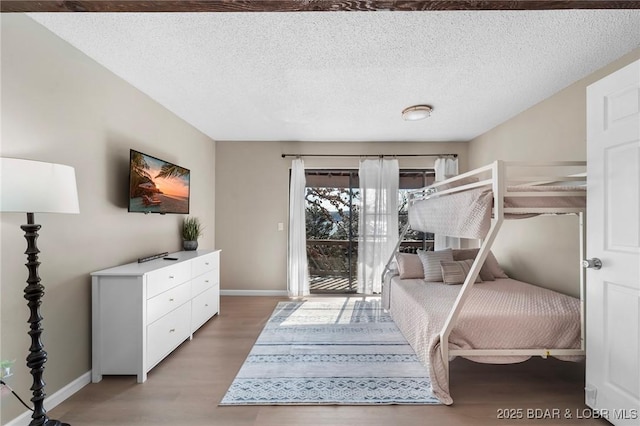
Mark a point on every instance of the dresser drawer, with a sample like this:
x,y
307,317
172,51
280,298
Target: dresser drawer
x,y
161,280
166,302
203,282
206,263
203,307
167,333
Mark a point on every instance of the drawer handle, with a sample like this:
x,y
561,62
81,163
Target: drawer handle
x,y
172,330
206,263
206,281
171,277
171,299
206,305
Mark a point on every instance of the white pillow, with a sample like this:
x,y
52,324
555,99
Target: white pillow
x,y
431,263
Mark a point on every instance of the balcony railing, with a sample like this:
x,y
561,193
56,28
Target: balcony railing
x,y
333,264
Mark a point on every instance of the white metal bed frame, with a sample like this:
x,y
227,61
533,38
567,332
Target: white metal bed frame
x,y
499,182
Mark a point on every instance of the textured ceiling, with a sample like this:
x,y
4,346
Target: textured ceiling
x,y
346,76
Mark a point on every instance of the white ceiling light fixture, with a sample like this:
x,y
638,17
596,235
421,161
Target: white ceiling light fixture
x,y
416,112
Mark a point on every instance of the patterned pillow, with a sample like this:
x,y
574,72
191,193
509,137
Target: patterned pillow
x,y
490,269
409,266
456,271
464,254
431,263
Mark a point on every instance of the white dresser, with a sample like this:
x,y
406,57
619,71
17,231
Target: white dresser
x,y
143,311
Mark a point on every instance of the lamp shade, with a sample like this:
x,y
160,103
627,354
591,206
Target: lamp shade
x,y
29,186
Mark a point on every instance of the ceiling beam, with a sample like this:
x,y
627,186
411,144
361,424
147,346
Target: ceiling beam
x,y
301,5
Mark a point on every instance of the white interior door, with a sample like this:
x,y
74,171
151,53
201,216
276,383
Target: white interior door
x,y
613,236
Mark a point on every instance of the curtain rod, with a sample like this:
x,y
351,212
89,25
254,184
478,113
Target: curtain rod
x,y
370,155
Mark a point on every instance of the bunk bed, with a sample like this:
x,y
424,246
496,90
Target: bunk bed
x,y
500,321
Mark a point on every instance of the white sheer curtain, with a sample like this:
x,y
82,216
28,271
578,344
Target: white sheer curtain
x,y
445,167
297,274
377,222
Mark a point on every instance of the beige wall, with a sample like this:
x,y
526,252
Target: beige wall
x,y
544,250
252,197
60,106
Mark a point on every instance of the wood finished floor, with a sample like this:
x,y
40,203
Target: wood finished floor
x,y
187,386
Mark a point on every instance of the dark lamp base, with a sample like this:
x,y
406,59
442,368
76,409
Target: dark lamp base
x,y
52,422
37,355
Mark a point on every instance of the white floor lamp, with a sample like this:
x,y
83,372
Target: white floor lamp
x,y
28,187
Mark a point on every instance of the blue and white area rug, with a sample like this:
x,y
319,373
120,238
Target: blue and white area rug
x,y
331,351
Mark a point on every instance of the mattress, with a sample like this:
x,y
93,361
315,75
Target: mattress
x,y
467,214
547,196
500,314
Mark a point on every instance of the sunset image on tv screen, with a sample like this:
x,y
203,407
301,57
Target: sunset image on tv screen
x,y
157,186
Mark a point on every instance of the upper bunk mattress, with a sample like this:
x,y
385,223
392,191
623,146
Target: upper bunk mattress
x,y
500,314
547,196
467,214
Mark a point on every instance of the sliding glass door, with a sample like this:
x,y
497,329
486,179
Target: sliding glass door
x,y
332,204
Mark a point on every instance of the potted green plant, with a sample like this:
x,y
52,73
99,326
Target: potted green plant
x,y
191,230
5,368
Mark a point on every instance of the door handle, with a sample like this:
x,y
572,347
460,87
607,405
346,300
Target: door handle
x,y
593,263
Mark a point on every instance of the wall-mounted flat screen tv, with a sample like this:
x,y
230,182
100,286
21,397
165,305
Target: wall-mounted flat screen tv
x,y
157,186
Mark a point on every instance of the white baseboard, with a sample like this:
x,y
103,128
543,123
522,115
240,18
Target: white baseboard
x,y
253,293
55,399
